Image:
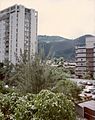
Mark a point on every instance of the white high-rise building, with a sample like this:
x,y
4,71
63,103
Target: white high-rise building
x,y
18,32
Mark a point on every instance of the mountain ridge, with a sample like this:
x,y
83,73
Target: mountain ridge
x,y
59,46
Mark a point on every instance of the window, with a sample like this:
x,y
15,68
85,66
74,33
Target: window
x,y
17,7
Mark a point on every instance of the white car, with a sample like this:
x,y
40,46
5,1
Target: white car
x,y
94,84
86,91
91,88
84,82
93,92
93,97
89,83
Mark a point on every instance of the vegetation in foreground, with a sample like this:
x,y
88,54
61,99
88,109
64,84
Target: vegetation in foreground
x,y
37,91
45,105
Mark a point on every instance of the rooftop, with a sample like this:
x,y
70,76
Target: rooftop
x,y
89,104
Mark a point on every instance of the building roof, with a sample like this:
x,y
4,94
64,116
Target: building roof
x,y
89,104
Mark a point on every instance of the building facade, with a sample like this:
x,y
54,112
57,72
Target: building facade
x,y
18,32
85,58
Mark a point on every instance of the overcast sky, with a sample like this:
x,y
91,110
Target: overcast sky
x,y
67,18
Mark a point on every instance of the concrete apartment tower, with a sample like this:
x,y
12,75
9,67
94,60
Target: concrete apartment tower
x,y
18,31
85,58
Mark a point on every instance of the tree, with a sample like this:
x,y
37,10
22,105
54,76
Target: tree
x,y
6,70
68,88
31,77
88,75
1,71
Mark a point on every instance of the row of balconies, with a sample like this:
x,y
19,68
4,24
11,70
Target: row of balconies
x,y
81,68
81,55
81,51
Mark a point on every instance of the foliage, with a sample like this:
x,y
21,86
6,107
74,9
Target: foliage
x,y
32,77
88,75
60,73
53,106
16,107
43,106
4,88
6,70
69,88
1,71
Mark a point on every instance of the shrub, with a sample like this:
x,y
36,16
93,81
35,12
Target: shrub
x,y
51,106
43,106
68,88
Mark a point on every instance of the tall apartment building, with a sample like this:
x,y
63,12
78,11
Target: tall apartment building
x,y
85,58
18,32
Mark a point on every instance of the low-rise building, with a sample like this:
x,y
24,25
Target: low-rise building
x,y
86,109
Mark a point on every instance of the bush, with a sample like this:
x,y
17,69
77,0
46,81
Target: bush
x,y
15,107
4,89
53,106
68,88
44,106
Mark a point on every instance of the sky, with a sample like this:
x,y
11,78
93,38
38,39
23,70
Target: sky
x,y
67,18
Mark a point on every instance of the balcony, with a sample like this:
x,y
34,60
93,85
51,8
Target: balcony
x,y
81,55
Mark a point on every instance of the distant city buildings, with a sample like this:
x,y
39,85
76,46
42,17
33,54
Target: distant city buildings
x,y
85,59
18,32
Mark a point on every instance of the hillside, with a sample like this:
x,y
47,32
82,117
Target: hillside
x,y
57,46
48,39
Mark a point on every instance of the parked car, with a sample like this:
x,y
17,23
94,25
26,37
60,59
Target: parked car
x,y
84,82
89,83
87,91
91,88
94,84
93,92
93,97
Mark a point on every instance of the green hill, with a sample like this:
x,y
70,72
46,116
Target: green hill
x,y
57,46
